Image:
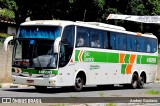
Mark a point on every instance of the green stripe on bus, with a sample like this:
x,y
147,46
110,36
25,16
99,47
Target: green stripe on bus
x,y
92,56
149,60
138,59
113,57
123,68
76,55
126,59
33,71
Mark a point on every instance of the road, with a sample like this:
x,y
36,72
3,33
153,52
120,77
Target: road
x,y
92,91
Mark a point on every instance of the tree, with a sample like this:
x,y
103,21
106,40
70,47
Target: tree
x,y
6,7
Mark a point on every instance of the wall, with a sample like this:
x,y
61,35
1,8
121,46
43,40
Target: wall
x,y
158,70
11,30
5,64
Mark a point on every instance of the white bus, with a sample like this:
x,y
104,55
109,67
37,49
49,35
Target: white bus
x,y
55,53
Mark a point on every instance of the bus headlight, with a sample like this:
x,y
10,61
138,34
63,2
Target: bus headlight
x,y
17,71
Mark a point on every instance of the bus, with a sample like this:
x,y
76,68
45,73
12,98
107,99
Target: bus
x,y
57,53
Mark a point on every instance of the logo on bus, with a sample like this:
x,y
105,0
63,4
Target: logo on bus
x,y
87,57
151,60
45,72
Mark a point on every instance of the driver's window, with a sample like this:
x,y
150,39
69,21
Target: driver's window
x,y
66,46
62,56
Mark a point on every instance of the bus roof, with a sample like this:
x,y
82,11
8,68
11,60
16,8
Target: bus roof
x,y
96,25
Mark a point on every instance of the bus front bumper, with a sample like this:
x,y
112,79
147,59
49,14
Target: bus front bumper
x,y
34,81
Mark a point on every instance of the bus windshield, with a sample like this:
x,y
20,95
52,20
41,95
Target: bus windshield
x,y
45,32
34,53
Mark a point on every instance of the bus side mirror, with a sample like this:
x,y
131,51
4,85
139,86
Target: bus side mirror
x,y
5,44
56,45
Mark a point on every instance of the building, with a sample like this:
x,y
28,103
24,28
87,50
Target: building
x,y
8,27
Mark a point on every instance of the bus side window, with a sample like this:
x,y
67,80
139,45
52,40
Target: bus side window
x,y
96,39
148,45
120,41
153,45
100,38
80,41
141,44
131,43
105,40
112,41
82,36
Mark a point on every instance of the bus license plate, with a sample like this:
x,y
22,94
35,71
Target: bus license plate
x,y
30,81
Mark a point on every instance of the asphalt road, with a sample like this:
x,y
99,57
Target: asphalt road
x,y
92,91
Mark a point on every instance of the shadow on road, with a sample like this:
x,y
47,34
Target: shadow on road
x,y
66,89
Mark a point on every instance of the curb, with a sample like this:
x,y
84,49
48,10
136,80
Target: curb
x,y
157,81
11,85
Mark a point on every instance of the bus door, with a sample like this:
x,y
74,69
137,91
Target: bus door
x,y
66,68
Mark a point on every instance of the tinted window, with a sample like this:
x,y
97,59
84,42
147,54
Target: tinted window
x,y
120,42
51,32
112,40
141,44
67,44
105,40
82,37
68,35
151,45
131,43
94,38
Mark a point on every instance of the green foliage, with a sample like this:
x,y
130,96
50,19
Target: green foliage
x,y
99,3
111,104
7,13
4,35
82,10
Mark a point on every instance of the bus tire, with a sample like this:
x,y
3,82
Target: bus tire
x,y
79,82
41,88
134,82
141,82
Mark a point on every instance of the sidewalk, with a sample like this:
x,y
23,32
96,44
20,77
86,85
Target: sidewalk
x,y
11,85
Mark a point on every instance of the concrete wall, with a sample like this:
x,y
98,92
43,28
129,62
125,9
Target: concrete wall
x,y
158,70
5,65
11,30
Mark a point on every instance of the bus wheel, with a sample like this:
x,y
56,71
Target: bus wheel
x,y
41,88
79,82
134,82
141,82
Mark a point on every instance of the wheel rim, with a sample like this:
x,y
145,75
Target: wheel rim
x,y
78,82
141,81
134,84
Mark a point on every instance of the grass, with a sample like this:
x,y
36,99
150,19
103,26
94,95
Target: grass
x,y
153,92
110,104
158,51
101,94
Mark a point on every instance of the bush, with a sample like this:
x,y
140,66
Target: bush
x,y
4,35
